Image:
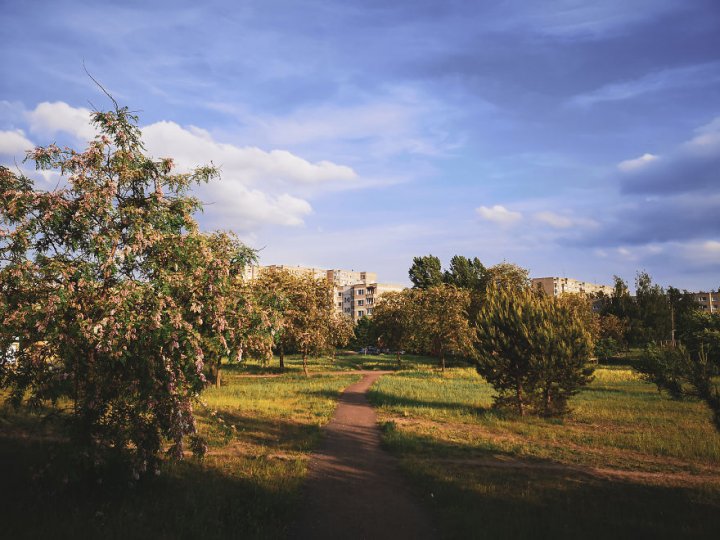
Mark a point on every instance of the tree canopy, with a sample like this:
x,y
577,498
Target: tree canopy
x,y
115,297
426,272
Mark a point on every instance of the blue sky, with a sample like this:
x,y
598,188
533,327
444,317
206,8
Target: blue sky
x,y
576,138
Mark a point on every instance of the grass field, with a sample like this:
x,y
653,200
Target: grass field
x,y
260,433
627,462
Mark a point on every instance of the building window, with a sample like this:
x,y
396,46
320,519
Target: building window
x,y
361,313
340,294
360,291
370,301
360,302
339,304
369,311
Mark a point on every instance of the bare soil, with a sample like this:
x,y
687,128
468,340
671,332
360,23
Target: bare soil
x,y
354,489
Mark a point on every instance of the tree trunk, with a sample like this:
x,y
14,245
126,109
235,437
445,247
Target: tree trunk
x,y
519,395
305,363
547,399
397,355
217,374
442,362
282,357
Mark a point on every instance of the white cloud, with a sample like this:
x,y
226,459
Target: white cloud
x,y
630,165
498,214
50,118
554,220
249,165
13,143
256,188
230,205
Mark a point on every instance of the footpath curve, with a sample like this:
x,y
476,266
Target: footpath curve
x,y
353,489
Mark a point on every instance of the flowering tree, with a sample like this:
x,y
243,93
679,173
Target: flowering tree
x,y
340,330
113,294
302,313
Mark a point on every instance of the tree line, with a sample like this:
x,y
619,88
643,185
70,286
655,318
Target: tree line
x,y
680,342
532,348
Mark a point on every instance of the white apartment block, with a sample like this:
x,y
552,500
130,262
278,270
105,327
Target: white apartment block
x,y
555,286
358,300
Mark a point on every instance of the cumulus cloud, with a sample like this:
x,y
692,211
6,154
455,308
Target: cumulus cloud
x,y
194,146
230,205
14,143
498,214
257,187
51,118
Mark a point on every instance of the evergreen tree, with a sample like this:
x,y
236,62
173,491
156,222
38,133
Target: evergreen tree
x,y
426,272
532,349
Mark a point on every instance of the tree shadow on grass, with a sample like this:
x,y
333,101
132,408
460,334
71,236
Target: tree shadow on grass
x,y
274,433
545,499
378,399
188,500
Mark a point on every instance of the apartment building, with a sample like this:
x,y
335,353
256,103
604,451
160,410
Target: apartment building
x,y
343,278
358,300
708,301
555,286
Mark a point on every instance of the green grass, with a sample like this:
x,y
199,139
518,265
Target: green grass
x,y
627,461
260,433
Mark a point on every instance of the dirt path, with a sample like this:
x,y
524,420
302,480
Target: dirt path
x,y
353,489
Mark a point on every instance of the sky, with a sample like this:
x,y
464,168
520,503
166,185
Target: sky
x,y
574,138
